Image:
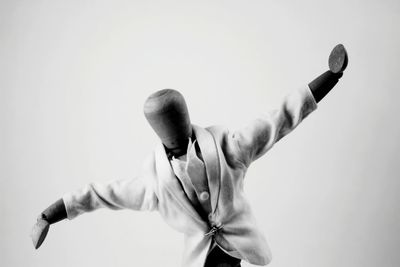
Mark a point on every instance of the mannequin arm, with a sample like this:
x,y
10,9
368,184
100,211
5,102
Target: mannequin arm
x,y
321,86
254,140
251,142
55,212
136,194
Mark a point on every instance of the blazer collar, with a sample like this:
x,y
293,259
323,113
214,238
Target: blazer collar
x,y
209,152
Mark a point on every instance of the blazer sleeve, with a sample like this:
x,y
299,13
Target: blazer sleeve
x,y
254,140
136,194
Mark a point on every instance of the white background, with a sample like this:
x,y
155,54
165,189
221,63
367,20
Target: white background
x,y
73,79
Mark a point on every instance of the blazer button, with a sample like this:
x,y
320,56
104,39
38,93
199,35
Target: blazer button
x,y
204,196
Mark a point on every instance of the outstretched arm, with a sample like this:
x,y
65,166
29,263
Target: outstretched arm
x,y
136,194
251,142
254,140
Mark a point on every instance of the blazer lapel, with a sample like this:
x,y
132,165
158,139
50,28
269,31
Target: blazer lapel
x,y
167,177
209,152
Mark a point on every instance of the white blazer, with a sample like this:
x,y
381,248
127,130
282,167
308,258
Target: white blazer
x,y
227,155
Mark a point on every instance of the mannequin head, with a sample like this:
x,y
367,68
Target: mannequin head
x,y
167,113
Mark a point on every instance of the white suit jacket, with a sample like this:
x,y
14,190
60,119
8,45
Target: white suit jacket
x,y
227,155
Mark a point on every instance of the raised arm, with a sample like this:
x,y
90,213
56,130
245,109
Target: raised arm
x,y
252,141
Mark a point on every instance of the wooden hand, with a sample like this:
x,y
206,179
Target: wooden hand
x,y
338,60
39,232
54,213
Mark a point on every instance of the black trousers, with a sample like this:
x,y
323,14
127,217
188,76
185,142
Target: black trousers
x,y
218,258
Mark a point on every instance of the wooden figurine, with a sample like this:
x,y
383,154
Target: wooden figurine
x,y
194,177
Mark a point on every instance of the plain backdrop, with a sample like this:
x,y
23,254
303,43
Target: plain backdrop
x,y
73,79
